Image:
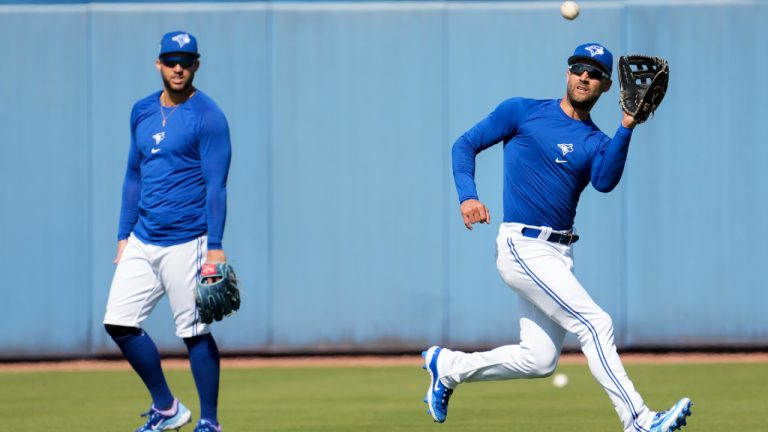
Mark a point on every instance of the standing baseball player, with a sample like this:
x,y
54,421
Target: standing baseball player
x,y
171,223
552,150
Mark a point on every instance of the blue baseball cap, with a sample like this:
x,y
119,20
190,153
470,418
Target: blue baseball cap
x,y
595,52
178,42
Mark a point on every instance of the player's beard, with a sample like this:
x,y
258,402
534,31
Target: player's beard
x,y
185,88
583,103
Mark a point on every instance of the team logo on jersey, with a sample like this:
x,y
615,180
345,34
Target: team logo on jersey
x,y
159,137
181,39
565,148
595,50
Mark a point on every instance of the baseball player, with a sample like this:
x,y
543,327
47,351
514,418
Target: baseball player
x,y
171,223
552,150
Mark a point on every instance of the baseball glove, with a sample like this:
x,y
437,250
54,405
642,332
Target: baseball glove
x,y
643,81
217,294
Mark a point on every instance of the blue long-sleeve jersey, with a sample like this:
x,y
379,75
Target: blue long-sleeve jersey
x,y
549,158
175,187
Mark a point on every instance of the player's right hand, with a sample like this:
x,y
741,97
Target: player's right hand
x,y
473,211
120,246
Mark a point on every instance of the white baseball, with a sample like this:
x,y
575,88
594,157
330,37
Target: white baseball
x,y
560,380
569,10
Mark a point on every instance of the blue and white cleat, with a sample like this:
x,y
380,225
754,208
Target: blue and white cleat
x,y
204,425
159,422
438,395
673,418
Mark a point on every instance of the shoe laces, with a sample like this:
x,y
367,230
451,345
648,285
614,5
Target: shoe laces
x,y
206,426
445,396
659,417
152,421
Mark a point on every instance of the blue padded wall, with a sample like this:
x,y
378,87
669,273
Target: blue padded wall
x,y
343,220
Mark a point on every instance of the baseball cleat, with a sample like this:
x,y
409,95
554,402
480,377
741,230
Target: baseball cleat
x,y
159,422
438,394
206,426
673,418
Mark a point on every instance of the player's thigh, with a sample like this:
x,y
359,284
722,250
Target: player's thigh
x,y
135,288
531,267
543,274
179,269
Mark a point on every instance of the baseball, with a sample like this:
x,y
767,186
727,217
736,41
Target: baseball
x,y
569,10
560,380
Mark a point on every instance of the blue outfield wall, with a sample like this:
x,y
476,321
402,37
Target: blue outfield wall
x,y
343,221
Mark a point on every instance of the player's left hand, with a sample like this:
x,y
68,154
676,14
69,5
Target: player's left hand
x,y
215,256
217,294
628,121
643,81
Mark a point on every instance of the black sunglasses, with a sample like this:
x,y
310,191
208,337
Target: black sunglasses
x,y
184,62
592,71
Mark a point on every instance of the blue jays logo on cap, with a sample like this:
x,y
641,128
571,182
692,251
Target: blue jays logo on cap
x,y
597,53
182,39
593,49
178,42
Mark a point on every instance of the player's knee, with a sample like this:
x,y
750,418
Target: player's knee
x,y
597,323
200,339
602,323
544,367
116,331
541,362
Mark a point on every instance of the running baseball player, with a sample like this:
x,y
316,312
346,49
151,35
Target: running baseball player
x,y
171,223
552,150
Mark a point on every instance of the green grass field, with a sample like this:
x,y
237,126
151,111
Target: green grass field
x,y
727,396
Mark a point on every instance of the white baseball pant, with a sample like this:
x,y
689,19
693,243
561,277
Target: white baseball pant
x,y
552,301
147,272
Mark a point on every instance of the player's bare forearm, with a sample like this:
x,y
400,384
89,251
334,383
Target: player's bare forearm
x,y
215,256
473,211
120,246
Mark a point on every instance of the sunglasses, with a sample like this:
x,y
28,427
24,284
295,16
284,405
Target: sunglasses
x,y
184,62
592,72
